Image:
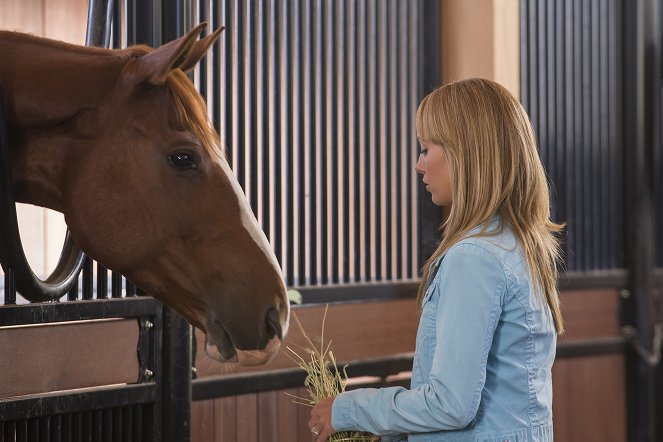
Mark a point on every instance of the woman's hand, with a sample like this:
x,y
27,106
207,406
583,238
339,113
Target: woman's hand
x,y
320,422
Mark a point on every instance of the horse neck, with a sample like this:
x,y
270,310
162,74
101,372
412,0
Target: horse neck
x,y
48,88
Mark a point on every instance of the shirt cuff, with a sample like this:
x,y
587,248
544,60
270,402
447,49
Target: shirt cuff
x,y
342,412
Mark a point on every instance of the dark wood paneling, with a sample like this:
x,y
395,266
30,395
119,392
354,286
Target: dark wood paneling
x,y
589,399
590,313
384,328
589,393
63,356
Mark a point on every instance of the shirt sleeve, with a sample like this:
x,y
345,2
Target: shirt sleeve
x,y
470,286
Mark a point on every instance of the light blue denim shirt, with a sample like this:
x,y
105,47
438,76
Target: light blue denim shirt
x,y
484,352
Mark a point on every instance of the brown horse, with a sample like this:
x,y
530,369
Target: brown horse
x,y
119,141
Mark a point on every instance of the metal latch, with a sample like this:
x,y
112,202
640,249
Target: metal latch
x,y
653,357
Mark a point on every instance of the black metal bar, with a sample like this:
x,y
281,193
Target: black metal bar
x,y
116,285
22,431
72,294
99,22
10,287
102,281
176,380
118,424
88,278
44,424
638,309
127,424
92,399
430,215
82,310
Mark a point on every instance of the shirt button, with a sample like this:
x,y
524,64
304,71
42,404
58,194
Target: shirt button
x,y
505,440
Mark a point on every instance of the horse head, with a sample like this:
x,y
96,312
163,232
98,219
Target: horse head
x,y
145,188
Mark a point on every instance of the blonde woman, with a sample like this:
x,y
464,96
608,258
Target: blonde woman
x,y
489,304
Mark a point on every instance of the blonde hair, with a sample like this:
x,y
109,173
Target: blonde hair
x,y
495,169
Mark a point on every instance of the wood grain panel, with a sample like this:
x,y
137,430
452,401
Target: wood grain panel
x,y
590,313
202,420
589,393
357,330
63,356
590,399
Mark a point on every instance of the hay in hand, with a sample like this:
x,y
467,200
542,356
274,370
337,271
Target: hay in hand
x,y
323,378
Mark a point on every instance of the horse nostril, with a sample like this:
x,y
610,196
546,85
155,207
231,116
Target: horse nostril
x,y
274,324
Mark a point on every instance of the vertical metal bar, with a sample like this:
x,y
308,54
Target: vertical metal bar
x,y
329,148
415,227
404,142
318,111
127,424
44,425
639,310
372,54
107,424
362,134
138,423
98,426
67,429
351,123
176,378
284,94
102,281
576,259
560,122
392,183
307,129
341,145
72,294
223,52
118,425
586,136
33,429
77,427
87,278
99,21
116,285
10,288
261,174
56,429
247,145
426,26
234,86
22,431
381,155
569,124
270,67
296,139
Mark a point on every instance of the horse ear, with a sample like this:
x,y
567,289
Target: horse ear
x,y
200,49
155,66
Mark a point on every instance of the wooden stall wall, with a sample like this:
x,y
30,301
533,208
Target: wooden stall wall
x,y
43,230
589,392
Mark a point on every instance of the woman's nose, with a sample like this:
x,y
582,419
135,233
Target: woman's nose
x,y
419,166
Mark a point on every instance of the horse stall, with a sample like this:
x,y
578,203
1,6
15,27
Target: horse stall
x,y
314,102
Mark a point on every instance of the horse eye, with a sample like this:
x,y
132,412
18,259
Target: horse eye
x,y
183,160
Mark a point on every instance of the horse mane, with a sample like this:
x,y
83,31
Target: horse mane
x,y
21,37
191,111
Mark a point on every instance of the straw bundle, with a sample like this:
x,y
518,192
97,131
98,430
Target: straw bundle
x,y
323,378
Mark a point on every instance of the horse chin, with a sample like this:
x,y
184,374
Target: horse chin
x,y
223,350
